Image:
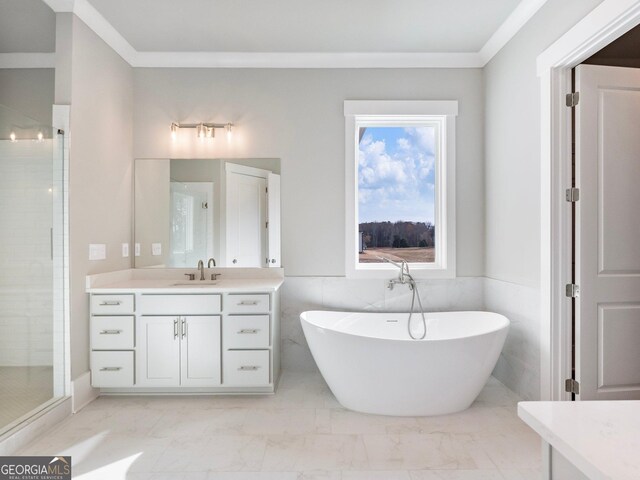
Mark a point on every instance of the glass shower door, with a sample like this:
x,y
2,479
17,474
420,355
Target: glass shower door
x,y
31,357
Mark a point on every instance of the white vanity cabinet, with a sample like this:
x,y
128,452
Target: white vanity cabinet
x,y
112,337
180,340
199,340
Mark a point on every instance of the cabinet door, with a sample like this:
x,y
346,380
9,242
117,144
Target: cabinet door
x,y
200,351
159,352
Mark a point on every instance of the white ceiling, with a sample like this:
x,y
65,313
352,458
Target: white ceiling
x,y
306,25
273,33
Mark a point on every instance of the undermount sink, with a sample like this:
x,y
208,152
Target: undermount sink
x,y
196,283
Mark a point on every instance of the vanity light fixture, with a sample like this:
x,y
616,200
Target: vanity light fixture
x,y
203,130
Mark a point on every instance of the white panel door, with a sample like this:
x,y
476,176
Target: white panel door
x,y
159,352
273,219
200,351
608,232
246,220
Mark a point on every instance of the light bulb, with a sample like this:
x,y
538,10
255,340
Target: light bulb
x,y
174,131
201,131
40,137
12,137
210,132
229,131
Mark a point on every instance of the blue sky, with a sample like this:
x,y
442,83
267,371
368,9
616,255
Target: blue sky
x,y
396,174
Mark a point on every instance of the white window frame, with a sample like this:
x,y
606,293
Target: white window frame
x,y
404,113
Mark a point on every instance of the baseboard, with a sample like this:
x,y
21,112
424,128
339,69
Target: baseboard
x,y
82,393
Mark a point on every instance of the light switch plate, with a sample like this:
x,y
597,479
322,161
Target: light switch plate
x,y
125,249
97,251
137,249
156,249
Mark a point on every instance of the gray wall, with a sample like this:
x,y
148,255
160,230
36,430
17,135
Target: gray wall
x,y
297,116
99,85
29,91
512,162
512,145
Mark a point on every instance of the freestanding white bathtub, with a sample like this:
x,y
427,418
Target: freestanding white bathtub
x,y
372,366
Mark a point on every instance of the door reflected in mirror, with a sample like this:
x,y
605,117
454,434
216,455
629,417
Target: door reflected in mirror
x,y
191,210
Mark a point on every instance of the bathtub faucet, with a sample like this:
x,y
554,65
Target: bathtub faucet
x,y
404,276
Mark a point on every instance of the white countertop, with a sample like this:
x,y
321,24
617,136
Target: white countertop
x,y
166,280
602,439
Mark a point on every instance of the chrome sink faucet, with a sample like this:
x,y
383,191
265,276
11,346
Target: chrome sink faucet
x,y
214,276
201,268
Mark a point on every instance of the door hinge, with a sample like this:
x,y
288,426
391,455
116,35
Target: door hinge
x,y
266,224
572,386
572,290
572,99
572,194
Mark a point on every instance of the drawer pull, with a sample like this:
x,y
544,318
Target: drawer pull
x,y
248,302
110,303
249,368
248,330
110,332
110,369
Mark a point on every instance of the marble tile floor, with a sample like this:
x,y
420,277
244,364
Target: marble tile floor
x,y
301,433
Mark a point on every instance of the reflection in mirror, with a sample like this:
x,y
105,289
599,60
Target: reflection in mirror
x,y
191,210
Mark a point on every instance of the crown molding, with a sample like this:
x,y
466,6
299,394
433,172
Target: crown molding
x,y
509,28
305,60
103,28
27,60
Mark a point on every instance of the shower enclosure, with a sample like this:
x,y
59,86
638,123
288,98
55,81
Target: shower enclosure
x,y
32,373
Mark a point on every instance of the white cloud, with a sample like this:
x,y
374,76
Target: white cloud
x,y
396,181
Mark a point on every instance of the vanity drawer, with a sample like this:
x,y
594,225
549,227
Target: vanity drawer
x,y
245,331
180,304
112,369
246,368
112,333
240,303
111,304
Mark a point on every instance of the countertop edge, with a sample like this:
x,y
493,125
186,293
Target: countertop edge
x,y
581,462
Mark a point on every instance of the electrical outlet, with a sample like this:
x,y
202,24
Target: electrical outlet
x,y
137,249
97,251
125,249
156,249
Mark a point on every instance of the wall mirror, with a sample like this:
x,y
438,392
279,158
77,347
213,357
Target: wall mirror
x,y
191,210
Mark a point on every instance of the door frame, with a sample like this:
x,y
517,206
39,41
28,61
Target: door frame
x,y
607,22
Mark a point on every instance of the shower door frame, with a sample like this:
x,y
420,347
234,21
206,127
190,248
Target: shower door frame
x,y
62,387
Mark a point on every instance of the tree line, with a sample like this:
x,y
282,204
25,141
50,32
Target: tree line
x,y
398,234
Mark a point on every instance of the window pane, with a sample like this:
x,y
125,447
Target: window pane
x,y
396,194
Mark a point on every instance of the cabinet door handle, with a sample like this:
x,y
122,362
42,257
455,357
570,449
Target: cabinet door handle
x,y
175,328
248,302
110,303
110,369
248,330
110,332
248,368
184,327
